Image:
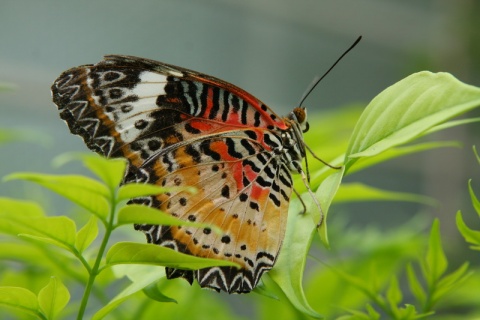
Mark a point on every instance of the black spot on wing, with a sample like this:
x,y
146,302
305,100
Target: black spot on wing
x,y
231,149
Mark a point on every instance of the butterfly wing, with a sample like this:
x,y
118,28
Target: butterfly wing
x,y
179,127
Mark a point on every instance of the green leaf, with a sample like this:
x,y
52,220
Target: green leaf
x,y
110,171
476,154
23,252
451,124
59,231
86,234
134,190
53,298
289,268
140,214
471,236
436,262
454,279
407,110
415,286
366,162
360,192
25,208
139,253
357,282
86,192
20,299
141,277
326,193
264,288
394,295
356,315
409,312
153,292
475,201
372,313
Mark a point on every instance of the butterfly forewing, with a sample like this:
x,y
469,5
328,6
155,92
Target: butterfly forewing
x,y
181,128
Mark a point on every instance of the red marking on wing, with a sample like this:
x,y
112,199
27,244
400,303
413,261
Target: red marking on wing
x,y
209,106
201,125
258,193
250,99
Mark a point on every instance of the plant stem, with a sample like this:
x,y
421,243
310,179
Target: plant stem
x,y
95,269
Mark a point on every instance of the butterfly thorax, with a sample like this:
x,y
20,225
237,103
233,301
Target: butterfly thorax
x,y
293,149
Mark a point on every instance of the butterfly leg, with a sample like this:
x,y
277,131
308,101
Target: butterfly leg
x,y
301,201
319,159
307,185
314,199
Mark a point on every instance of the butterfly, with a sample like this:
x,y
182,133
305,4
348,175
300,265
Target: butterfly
x,y
178,127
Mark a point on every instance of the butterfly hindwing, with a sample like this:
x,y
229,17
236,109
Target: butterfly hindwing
x,y
178,127
249,206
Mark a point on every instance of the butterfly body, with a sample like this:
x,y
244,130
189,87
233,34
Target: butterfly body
x,y
178,127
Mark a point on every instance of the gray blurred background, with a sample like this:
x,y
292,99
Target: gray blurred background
x,y
272,49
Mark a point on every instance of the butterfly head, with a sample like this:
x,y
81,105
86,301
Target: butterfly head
x,y
299,115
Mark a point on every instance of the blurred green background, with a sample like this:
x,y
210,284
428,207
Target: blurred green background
x,y
272,49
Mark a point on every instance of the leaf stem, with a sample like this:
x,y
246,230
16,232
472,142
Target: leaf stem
x,y
96,267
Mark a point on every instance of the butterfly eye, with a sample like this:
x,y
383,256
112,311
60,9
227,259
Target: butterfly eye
x,y
307,126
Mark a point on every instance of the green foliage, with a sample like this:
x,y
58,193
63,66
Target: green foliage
x,y
105,200
470,235
433,266
400,274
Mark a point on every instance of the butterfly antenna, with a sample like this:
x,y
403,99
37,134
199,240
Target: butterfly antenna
x,y
317,79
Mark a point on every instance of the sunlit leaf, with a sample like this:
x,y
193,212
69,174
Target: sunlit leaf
x,y
140,214
21,299
53,298
140,253
408,109
59,231
24,208
110,171
86,234
86,192
143,276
